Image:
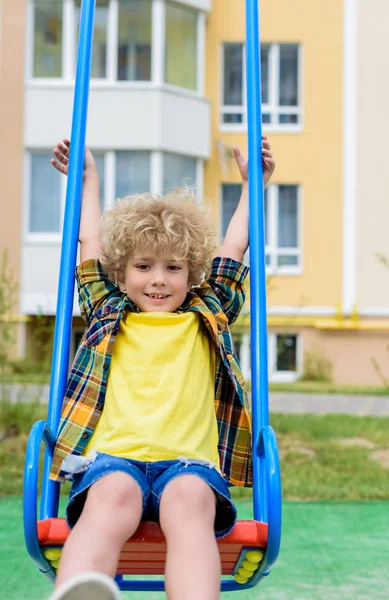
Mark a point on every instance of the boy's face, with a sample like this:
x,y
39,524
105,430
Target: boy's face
x,y
156,283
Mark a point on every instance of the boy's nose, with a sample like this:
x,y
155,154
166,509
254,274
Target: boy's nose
x,y
158,279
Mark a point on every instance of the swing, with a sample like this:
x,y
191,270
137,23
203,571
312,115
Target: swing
x,y
250,550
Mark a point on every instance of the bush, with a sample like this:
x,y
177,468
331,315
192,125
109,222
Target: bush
x,y
317,367
18,417
28,366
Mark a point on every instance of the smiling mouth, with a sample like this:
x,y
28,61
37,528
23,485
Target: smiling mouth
x,y
157,296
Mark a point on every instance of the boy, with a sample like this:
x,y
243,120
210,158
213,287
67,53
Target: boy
x,y
157,356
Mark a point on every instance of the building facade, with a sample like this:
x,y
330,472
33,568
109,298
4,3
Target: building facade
x,y
167,103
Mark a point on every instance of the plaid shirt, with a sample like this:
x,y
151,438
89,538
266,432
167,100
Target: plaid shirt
x,y
219,301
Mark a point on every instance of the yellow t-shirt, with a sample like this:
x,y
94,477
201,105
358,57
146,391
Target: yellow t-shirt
x,y
159,402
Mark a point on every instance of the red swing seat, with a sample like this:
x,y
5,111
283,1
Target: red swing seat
x,y
145,552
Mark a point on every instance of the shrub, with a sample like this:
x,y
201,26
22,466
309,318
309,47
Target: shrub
x,y
317,367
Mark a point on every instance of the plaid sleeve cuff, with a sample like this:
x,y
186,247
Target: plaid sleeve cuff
x,y
228,268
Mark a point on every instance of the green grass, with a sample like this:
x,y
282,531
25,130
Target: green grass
x,y
26,379
329,551
320,387
315,463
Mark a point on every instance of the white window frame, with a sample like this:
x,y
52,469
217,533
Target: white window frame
x,y
272,106
39,237
284,376
158,12
109,195
272,249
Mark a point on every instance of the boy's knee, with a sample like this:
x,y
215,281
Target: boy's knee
x,y
115,498
189,495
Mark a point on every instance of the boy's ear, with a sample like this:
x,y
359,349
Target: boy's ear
x,y
120,280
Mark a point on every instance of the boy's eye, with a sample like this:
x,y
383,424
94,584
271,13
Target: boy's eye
x,y
142,267
174,268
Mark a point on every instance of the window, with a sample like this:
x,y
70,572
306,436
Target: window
x,y
122,41
100,164
286,353
45,195
178,171
279,81
125,173
282,231
181,46
134,50
99,50
230,198
121,173
132,173
233,82
48,39
284,356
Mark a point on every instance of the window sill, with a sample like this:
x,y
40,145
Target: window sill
x,y
267,129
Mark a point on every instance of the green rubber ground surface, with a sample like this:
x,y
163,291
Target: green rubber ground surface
x,y
330,551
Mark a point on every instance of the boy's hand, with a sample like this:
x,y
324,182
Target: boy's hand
x,y
267,161
61,160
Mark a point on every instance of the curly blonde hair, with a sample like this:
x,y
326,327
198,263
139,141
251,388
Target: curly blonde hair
x,y
172,224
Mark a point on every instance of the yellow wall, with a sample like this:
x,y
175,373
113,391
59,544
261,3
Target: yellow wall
x,y
312,158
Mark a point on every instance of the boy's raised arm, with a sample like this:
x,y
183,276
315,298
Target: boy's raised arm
x,y
90,210
236,240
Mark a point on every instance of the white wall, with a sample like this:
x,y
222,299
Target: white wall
x,y
122,118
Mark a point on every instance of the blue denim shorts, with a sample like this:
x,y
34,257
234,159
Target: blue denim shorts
x,y
152,478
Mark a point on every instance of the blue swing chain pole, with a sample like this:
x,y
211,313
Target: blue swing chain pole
x,y
259,359
63,322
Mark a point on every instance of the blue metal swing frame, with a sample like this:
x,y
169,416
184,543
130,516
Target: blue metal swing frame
x,y
266,468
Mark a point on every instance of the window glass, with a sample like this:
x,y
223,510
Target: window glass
x,y
181,46
266,215
288,74
287,260
100,164
286,352
178,171
99,50
45,195
287,216
48,38
132,173
230,199
233,75
233,118
134,51
265,50
289,119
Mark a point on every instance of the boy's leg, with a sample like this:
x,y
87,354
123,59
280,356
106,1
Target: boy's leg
x,y
112,513
187,516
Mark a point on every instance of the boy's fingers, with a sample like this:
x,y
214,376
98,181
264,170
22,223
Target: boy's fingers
x,y
239,156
